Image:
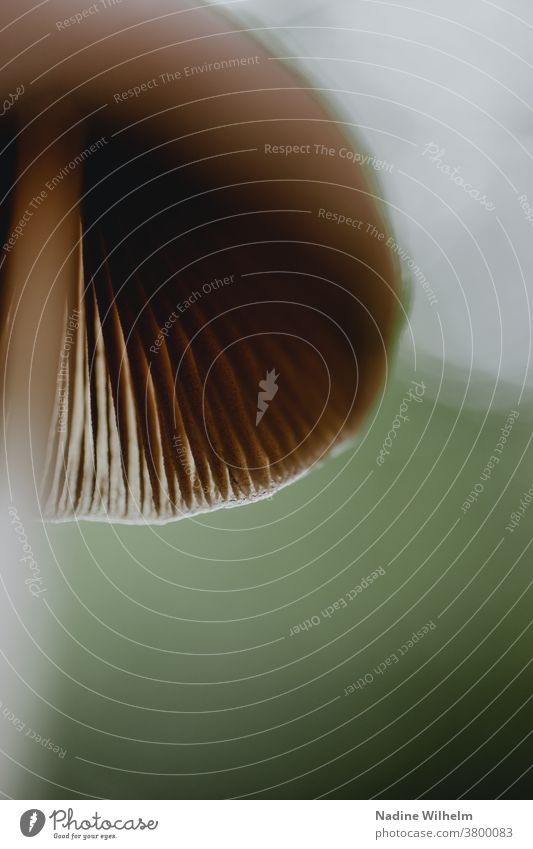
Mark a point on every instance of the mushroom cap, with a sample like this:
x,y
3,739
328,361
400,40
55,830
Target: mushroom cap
x,y
210,274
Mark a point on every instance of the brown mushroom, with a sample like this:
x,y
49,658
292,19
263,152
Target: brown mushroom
x,y
197,292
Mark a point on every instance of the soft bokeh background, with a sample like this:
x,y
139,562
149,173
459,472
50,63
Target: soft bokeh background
x,y
160,658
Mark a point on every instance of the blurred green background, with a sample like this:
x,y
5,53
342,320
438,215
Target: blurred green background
x,y
169,671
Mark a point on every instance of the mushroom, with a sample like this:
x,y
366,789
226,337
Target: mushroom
x,y
198,288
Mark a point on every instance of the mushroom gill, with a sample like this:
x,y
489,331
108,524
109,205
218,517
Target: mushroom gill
x,y
197,290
